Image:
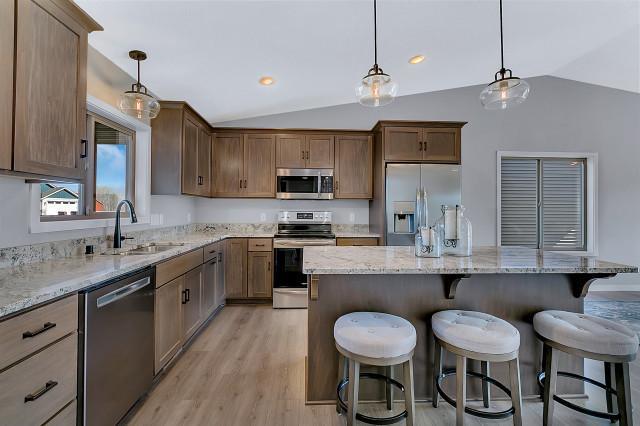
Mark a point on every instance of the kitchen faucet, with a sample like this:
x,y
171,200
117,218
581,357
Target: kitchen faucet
x,y
117,236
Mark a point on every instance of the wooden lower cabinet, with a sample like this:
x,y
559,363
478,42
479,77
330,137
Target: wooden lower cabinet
x,y
168,322
235,268
66,417
209,284
260,274
358,241
191,302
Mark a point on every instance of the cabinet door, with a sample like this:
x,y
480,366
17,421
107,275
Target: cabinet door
x,y
204,163
50,91
6,82
228,165
209,284
442,145
235,268
320,151
260,274
168,321
260,166
192,302
190,134
291,151
354,167
220,280
403,143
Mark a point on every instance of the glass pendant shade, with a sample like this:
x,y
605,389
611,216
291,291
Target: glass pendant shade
x,y
376,89
139,105
504,93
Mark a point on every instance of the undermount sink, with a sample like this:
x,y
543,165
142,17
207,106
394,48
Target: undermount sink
x,y
142,249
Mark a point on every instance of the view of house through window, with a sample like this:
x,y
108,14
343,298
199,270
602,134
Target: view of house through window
x,y
110,176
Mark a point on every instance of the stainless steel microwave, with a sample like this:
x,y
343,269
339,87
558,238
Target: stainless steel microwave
x,y
304,184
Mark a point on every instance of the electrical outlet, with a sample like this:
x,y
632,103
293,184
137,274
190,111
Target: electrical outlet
x,y
188,217
352,217
263,217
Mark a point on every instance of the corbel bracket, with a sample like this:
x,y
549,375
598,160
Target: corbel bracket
x,y
580,282
451,282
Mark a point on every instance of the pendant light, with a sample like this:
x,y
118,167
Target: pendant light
x,y
137,102
506,90
376,88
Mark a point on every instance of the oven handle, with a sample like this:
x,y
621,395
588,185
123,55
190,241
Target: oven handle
x,y
302,243
122,292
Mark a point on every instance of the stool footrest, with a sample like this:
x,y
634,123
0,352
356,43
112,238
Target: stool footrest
x,y
368,419
495,415
578,408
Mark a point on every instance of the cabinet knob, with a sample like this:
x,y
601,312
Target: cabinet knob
x,y
84,144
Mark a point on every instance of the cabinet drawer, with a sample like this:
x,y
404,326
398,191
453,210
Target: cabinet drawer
x,y
66,417
25,334
211,251
173,268
260,244
357,241
34,390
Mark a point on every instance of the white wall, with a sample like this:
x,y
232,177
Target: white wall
x,y
560,115
265,211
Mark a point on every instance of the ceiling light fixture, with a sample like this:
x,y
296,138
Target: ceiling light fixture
x,y
137,102
267,81
506,90
376,88
416,59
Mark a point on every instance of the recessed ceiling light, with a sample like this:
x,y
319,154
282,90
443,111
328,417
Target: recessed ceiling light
x,y
267,81
416,59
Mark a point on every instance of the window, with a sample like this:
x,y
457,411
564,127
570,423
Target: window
x,y
110,176
543,202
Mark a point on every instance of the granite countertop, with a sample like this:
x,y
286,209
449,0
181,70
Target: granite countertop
x,y
22,287
485,260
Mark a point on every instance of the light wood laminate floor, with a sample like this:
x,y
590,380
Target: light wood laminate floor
x,y
247,368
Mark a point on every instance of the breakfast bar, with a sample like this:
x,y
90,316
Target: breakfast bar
x,y
512,283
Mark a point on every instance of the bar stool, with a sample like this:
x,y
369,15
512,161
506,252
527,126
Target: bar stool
x,y
374,339
482,337
591,337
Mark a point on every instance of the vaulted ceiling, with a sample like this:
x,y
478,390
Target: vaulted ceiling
x,y
212,53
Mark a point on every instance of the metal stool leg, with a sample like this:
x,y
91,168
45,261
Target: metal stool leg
x,y
409,398
354,383
461,388
486,388
389,387
623,388
343,368
608,370
516,398
550,379
437,371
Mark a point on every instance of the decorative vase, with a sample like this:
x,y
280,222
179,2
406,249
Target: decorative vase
x,y
455,232
427,242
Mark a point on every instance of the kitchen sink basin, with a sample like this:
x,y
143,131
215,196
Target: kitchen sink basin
x,y
143,249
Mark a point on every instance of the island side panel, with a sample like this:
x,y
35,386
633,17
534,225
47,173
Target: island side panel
x,y
513,297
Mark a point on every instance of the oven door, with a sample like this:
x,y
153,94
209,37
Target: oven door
x,y
288,269
304,184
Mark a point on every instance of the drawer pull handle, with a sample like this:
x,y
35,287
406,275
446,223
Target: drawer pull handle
x,y
46,388
259,245
212,251
45,327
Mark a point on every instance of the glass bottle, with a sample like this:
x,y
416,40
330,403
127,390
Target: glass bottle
x,y
455,231
427,242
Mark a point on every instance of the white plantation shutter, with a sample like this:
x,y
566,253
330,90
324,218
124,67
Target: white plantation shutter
x,y
543,203
519,206
563,204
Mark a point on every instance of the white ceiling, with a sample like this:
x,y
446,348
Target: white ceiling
x,y
212,53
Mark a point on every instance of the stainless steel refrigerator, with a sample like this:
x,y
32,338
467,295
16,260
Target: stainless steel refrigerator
x,y
440,181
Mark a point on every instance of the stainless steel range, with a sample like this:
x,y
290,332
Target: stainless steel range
x,y
297,230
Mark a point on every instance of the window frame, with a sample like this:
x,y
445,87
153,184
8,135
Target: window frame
x,y
591,194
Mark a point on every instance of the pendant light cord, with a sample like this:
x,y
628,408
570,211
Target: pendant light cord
x,y
502,70
138,84
375,33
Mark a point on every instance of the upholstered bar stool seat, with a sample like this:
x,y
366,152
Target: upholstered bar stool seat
x,y
592,337
379,339
482,337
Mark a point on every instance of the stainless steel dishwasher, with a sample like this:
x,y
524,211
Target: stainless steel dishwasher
x,y
116,341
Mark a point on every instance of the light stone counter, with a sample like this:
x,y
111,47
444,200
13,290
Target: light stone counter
x,y
22,287
485,260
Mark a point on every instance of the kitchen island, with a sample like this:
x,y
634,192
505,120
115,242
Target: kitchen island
x,y
512,283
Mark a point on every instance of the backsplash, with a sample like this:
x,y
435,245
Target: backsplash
x,y
14,256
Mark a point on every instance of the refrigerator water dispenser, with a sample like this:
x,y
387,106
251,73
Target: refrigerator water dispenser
x,y
403,217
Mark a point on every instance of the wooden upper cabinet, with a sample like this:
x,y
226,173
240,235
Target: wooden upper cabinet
x,y
259,165
403,144
50,87
204,163
291,151
442,145
190,157
6,83
259,274
235,268
354,167
320,152
228,165
180,151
